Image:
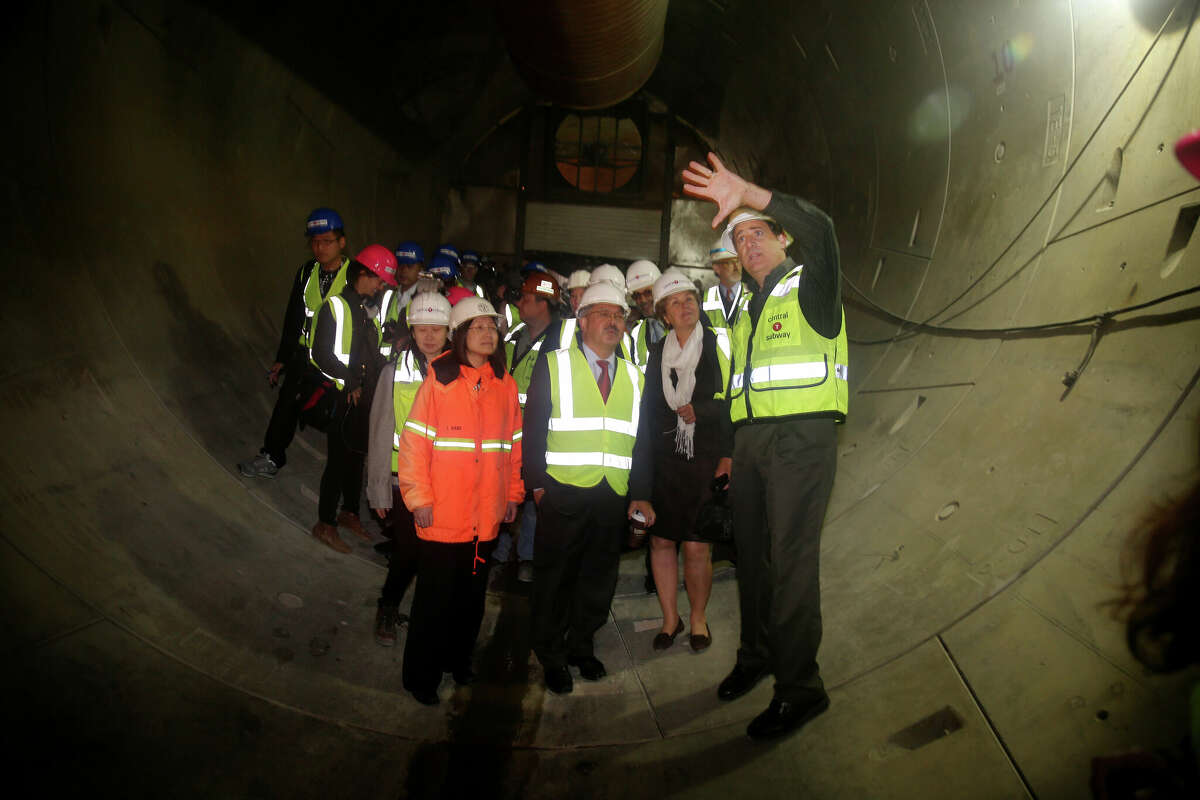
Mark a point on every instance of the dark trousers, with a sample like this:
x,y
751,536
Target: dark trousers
x,y
447,611
282,426
402,563
343,475
782,477
576,555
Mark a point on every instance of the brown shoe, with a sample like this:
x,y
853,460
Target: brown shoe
x,y
700,642
328,535
352,523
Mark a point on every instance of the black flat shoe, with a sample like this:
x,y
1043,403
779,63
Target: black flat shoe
x,y
782,717
590,667
665,640
738,682
559,681
700,643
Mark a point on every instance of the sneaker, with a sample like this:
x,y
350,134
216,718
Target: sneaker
x,y
351,522
261,466
525,572
386,618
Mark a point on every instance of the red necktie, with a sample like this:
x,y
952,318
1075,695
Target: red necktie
x,y
604,382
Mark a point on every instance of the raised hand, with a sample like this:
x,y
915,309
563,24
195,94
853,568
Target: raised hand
x,y
718,184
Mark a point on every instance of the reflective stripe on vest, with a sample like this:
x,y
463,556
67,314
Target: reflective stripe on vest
x,y
313,297
385,347
343,336
588,440
641,350
793,370
405,382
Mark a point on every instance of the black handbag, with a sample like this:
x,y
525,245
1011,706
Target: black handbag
x,y
318,402
714,522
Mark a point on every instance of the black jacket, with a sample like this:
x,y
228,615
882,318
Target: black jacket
x,y
365,360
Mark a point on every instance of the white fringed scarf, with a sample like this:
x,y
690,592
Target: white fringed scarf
x,y
683,360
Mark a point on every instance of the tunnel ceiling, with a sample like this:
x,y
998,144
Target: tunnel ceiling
x,y
414,73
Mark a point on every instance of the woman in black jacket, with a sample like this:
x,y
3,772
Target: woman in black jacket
x,y
684,412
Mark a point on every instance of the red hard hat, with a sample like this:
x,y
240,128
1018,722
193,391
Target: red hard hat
x,y
1187,150
380,260
541,285
457,293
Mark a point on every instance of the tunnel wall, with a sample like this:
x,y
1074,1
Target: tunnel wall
x,y
975,503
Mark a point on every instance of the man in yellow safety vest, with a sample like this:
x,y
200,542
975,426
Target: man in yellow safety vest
x,y
787,391
583,457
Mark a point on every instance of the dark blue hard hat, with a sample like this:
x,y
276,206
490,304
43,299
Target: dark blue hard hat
x,y
409,253
323,220
443,266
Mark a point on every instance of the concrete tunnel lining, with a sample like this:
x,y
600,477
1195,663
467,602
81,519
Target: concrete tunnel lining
x,y
152,127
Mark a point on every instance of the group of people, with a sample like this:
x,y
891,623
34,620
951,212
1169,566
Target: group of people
x,y
540,413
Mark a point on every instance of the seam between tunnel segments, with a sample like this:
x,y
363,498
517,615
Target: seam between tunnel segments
x,y
1012,762
632,668
1084,515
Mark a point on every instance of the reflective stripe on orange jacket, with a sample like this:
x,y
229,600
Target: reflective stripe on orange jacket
x,y
461,452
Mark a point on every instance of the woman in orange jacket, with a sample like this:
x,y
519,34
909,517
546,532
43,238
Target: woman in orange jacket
x,y
459,471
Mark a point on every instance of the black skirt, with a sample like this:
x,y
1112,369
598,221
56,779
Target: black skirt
x,y
680,488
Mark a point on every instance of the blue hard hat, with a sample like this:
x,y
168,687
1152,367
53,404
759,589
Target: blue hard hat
x,y
534,266
323,220
409,253
443,267
470,257
450,251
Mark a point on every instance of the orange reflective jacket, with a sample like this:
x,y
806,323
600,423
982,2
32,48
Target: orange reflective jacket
x,y
461,451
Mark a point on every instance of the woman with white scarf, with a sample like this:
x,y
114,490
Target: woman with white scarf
x,y
693,441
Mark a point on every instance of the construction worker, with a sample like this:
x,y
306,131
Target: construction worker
x,y
788,390
459,470
345,348
445,269
428,318
467,271
722,302
410,260
639,283
324,274
540,328
576,285
583,457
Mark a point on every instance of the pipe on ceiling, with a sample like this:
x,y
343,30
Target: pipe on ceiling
x,y
584,53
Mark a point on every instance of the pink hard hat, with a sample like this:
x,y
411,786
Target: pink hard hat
x,y
380,260
457,293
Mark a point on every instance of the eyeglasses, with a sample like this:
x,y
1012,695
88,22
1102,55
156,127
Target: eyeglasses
x,y
484,328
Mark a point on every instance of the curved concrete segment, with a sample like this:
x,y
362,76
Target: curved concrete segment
x,y
990,167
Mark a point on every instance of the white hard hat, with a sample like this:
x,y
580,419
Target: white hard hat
x,y
722,250
609,273
429,308
469,308
641,275
579,279
747,214
603,292
672,282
